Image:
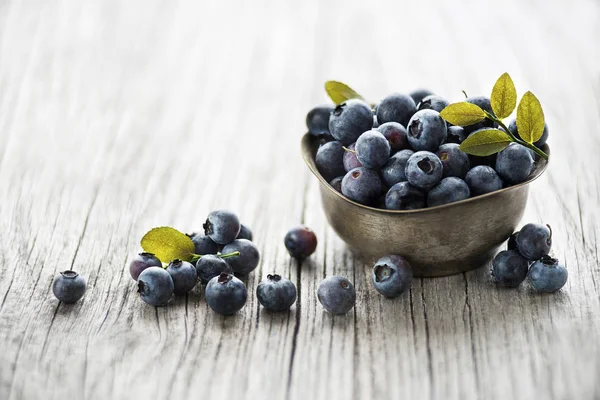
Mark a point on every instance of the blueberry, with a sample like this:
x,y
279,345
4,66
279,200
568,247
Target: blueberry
x,y
329,160
396,108
336,294
336,183
514,163
245,233
141,262
317,120
362,185
509,268
210,266
484,103
534,241
300,242
404,196
424,170
248,259
547,275
276,293
349,120
68,286
433,102
419,94
392,276
394,170
203,244
456,134
483,179
455,162
395,134
449,190
184,276
155,286
222,226
512,241
226,294
350,160
426,130
372,149
515,131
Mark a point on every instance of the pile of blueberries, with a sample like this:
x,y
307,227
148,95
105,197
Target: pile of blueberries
x,y
402,155
528,257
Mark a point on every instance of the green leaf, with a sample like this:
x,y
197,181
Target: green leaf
x,y
340,92
504,96
463,114
530,118
168,244
485,142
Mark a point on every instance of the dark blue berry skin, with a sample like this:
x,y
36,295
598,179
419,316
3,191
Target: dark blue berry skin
x,y
203,244
141,262
184,276
456,134
534,241
248,259
515,131
350,160
210,266
329,160
394,170
336,294
514,163
433,102
222,226
484,103
155,286
395,135
245,233
509,268
424,170
512,242
300,242
276,293
68,286
483,179
449,190
455,162
392,276
372,149
336,183
547,275
404,196
225,294
317,120
349,120
419,94
362,185
396,108
426,130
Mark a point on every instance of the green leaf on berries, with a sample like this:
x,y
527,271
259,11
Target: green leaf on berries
x,y
485,142
504,96
168,244
340,92
463,114
530,118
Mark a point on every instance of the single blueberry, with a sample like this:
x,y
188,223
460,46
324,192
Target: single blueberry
x,y
394,170
547,275
184,276
245,233
350,159
456,134
392,275
514,163
141,262
455,162
362,185
203,244
276,293
300,242
424,170
226,294
433,102
395,134
404,196
329,160
509,268
534,241
155,286
317,120
484,103
68,286
222,226
426,130
483,179
396,108
336,294
449,190
512,126
209,266
349,120
246,261
336,183
372,149
419,94
512,242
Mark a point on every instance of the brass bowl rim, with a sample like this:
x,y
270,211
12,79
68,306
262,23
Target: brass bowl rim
x,y
307,154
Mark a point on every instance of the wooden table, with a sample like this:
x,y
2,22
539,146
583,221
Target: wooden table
x,y
118,116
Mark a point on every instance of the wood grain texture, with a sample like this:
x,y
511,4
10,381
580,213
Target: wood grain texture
x,y
116,117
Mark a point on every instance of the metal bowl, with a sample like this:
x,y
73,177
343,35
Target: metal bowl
x,y
437,241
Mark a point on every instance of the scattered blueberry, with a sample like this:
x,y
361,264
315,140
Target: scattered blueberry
x,y
395,134
276,293
336,183
534,241
514,163
372,149
456,134
350,160
245,233
222,226
329,160
349,120
426,130
449,190
547,275
424,170
404,196
484,103
419,94
433,102
512,242
336,294
396,108
483,179
184,276
155,286
246,261
68,286
455,162
203,244
209,266
362,185
317,120
515,131
392,275
394,170
300,242
141,262
509,268
226,294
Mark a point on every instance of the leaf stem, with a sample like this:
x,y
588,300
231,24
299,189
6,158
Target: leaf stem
x,y
538,151
349,150
196,257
